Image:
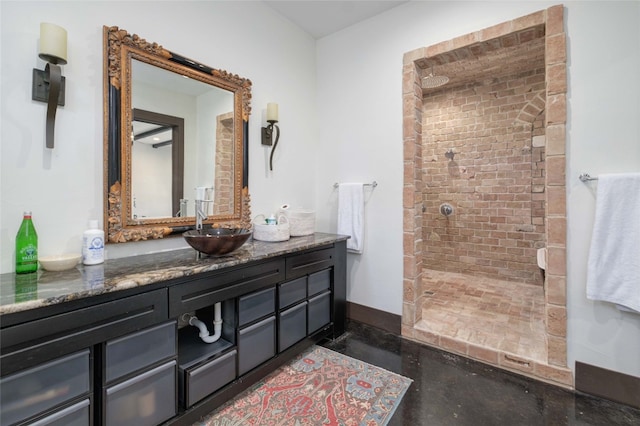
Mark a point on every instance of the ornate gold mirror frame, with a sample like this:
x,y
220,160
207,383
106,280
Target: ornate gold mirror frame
x,y
120,48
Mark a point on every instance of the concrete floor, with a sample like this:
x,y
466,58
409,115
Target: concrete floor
x,y
452,390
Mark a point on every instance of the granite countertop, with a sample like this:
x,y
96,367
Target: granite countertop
x,y
43,288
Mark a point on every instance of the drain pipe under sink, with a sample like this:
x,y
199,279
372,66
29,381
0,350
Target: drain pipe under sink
x,y
204,331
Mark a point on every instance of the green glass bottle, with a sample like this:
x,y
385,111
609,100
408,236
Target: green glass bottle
x,y
26,246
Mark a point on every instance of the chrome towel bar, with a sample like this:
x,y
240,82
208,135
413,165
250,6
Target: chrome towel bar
x,y
586,177
372,184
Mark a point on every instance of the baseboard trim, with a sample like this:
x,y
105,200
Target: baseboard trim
x,y
374,317
608,384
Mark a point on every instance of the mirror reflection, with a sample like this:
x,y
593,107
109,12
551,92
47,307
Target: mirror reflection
x,y
173,128
157,165
203,109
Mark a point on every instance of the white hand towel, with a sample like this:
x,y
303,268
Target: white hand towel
x,y
613,273
351,215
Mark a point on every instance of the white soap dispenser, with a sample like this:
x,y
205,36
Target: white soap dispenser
x,y
93,244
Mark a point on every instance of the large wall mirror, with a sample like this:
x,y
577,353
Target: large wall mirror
x,y
171,125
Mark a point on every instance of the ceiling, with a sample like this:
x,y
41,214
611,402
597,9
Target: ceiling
x,y
323,17
479,62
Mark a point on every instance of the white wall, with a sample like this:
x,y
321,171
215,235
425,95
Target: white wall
x,y
360,100
64,186
603,137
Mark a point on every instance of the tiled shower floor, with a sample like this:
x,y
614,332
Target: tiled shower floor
x,y
498,315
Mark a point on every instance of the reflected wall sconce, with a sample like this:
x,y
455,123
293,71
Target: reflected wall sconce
x,y
48,85
268,132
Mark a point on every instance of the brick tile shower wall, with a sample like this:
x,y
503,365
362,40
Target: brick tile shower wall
x,y
495,182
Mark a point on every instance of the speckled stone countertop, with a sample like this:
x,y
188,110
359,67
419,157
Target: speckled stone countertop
x,y
30,291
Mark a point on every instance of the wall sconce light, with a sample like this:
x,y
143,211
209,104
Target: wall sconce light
x,y
267,132
48,85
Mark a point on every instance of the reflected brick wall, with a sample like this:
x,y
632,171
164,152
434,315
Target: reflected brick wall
x,y
224,165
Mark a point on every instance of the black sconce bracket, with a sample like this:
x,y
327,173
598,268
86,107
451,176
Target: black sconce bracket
x,y
40,87
48,86
267,139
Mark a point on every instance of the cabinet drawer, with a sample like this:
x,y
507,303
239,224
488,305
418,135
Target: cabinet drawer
x,y
147,399
202,292
76,415
33,391
292,326
29,344
201,381
310,262
256,344
292,292
256,305
139,350
319,311
320,281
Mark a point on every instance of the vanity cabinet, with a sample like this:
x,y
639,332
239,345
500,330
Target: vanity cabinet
x,y
129,357
48,363
272,311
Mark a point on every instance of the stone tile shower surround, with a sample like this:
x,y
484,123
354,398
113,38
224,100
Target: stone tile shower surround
x,y
494,180
521,46
480,312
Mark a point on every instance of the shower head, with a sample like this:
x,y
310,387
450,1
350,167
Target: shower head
x,y
431,81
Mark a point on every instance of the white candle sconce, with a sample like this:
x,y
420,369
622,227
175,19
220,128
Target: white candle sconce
x,y
49,85
268,137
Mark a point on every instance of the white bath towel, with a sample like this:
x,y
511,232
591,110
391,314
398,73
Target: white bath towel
x,y
351,215
613,273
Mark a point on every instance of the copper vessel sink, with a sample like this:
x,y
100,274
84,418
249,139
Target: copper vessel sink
x,y
217,241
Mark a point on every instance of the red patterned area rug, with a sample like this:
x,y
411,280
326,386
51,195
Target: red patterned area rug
x,y
319,387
